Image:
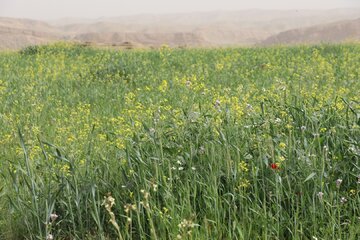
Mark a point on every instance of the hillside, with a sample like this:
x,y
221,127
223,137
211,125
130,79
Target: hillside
x,y
18,33
327,33
219,28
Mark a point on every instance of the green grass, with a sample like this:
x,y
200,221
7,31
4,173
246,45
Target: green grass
x,y
191,144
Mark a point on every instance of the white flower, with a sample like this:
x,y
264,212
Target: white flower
x,y
201,150
49,237
53,217
338,182
152,131
320,195
217,103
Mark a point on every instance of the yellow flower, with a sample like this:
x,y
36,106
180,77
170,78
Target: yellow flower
x,y
282,145
163,86
65,169
244,183
322,130
243,167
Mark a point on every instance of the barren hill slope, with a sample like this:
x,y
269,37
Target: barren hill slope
x,y
18,33
327,33
218,28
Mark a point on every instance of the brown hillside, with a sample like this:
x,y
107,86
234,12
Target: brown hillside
x,y
329,33
219,28
18,33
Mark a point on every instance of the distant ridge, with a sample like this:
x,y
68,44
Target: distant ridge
x,y
205,29
337,32
19,33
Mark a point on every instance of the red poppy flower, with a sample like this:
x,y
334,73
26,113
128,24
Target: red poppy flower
x,y
274,166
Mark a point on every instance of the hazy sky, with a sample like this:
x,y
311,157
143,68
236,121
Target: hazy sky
x,y
52,9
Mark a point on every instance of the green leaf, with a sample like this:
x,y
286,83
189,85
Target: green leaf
x,y
312,175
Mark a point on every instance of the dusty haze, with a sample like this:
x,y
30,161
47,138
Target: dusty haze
x,y
186,23
52,9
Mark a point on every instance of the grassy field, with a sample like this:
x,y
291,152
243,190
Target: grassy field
x,y
248,143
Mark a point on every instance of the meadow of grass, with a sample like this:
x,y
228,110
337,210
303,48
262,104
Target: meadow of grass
x,y
247,143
